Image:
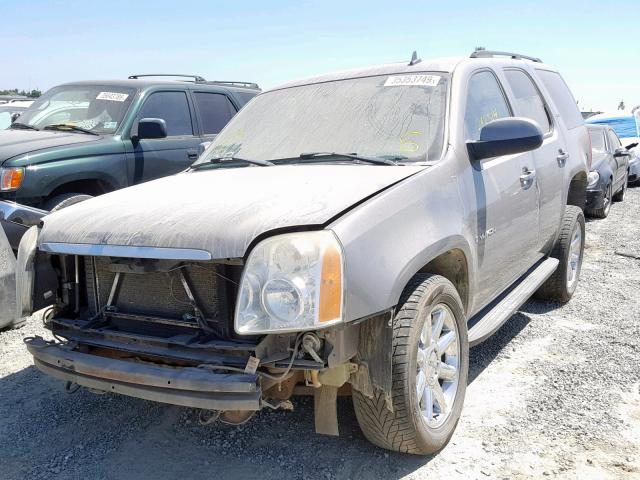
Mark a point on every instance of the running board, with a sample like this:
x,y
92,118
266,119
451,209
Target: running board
x,y
491,318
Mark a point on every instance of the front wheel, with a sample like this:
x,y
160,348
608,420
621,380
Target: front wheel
x,y
429,371
65,200
604,210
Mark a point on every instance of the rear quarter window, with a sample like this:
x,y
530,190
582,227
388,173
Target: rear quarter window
x,y
562,98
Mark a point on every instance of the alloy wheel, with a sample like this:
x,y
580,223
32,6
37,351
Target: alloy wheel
x,y
438,365
574,258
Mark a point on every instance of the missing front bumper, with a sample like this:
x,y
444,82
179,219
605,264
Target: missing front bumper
x,y
185,386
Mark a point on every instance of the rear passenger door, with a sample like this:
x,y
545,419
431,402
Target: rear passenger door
x,y
549,159
155,158
214,112
507,203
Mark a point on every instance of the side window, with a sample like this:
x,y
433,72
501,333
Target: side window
x,y
485,102
215,111
614,141
562,98
598,141
529,103
245,97
172,107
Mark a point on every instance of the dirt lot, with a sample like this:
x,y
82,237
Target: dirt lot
x,y
554,393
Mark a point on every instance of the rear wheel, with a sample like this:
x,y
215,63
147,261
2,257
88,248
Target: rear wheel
x,y
619,197
429,371
603,211
569,250
65,200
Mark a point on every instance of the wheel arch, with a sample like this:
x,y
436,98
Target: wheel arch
x,y
577,193
449,258
93,186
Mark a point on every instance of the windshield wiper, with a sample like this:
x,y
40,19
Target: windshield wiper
x,y
67,126
22,126
221,160
351,156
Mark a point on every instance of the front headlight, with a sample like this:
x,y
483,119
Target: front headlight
x,y
291,282
11,178
592,178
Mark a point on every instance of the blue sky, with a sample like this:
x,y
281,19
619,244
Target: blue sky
x,y
595,44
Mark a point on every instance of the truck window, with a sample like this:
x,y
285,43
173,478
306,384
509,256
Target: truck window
x,y
562,97
215,111
485,102
173,108
529,103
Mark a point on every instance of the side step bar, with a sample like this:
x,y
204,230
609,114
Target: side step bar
x,y
489,320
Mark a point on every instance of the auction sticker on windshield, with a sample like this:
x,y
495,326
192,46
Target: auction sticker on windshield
x,y
113,96
413,79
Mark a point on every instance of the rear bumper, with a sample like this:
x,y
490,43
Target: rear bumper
x,y
185,386
634,170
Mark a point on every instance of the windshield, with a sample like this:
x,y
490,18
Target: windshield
x,y
597,139
387,116
98,108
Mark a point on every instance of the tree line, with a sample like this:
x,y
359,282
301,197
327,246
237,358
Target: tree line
x,y
23,93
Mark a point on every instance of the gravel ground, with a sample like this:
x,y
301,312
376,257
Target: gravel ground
x,y
554,393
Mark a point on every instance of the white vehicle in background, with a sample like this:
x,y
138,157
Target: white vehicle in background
x,y
11,110
627,126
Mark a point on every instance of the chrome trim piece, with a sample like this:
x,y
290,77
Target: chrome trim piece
x,y
160,253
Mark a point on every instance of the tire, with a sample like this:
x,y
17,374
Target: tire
x,y
65,200
405,429
562,284
619,197
603,211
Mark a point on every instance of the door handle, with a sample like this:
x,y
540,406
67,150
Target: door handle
x,y
192,154
562,157
527,178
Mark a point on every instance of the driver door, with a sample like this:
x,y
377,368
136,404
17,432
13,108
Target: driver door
x,y
159,157
507,223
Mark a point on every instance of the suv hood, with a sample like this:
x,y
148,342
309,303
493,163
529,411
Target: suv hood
x,y
220,211
18,142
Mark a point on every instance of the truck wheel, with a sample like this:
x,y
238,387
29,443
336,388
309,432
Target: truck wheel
x,y
65,200
569,250
619,197
429,371
606,204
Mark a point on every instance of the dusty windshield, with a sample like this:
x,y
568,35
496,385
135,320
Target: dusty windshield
x,y
97,108
399,117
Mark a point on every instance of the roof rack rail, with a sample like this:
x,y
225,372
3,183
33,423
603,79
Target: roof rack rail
x,y
199,79
234,84
482,53
196,78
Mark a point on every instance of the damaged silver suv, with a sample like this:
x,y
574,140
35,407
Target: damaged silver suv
x,y
353,234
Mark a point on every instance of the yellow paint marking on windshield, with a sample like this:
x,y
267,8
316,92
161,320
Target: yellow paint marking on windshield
x,y
407,145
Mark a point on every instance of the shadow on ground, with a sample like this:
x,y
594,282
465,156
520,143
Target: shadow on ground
x,y
85,435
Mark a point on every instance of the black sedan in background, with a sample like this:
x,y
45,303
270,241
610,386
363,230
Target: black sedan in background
x,y
607,180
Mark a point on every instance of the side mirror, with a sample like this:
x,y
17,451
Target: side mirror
x,y
621,152
505,136
152,128
15,116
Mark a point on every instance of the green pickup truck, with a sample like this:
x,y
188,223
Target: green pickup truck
x,y
83,139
